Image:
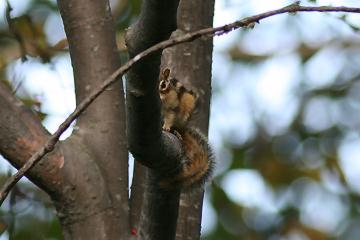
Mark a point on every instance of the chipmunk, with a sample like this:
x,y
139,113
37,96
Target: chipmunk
x,y
178,103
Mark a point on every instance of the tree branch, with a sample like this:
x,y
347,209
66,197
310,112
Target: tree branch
x,y
83,207
193,15
49,145
148,145
159,211
156,22
21,134
137,194
91,35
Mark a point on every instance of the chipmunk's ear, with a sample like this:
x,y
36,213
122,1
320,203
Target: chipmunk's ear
x,y
165,74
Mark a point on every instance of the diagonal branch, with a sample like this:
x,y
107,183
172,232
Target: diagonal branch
x,y
50,144
21,134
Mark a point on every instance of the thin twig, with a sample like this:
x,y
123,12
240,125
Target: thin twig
x,y
246,22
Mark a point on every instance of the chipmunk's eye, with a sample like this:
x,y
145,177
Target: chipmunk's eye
x,y
163,85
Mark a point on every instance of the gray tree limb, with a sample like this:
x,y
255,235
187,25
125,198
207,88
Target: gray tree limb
x,y
21,135
91,35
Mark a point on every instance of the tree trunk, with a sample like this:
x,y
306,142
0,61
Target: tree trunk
x,y
191,63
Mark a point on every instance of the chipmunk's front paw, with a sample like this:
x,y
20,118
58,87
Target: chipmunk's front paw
x,y
167,129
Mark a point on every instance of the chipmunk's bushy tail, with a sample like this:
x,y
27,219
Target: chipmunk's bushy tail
x,y
197,163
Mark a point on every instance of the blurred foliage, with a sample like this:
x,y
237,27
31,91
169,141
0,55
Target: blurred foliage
x,y
28,214
25,36
305,190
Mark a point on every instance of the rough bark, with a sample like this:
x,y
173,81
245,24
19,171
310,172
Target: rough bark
x,y
160,210
21,134
84,206
99,207
191,63
68,174
91,35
